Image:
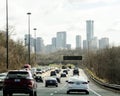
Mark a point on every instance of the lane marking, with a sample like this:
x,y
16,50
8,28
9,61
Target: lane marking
x,y
95,92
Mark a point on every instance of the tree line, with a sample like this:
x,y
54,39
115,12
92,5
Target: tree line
x,y
104,63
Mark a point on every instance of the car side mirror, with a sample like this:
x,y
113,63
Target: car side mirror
x,y
66,80
88,81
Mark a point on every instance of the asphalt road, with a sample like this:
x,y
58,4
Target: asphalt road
x,y
94,89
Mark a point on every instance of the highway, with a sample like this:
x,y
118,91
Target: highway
x,y
94,89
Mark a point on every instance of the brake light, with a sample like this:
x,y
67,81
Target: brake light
x,y
7,82
71,82
85,83
30,83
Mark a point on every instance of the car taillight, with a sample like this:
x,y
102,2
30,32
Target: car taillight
x,y
7,82
71,82
85,83
30,83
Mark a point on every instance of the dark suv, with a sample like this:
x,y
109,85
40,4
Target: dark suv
x,y
19,81
53,73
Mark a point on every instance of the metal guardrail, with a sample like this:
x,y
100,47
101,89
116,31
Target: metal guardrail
x,y
111,86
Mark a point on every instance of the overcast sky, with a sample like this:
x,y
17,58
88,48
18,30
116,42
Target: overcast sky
x,y
51,16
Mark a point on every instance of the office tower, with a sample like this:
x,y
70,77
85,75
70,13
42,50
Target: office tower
x,y
31,42
85,43
54,42
61,40
103,43
94,44
78,41
68,46
39,45
90,29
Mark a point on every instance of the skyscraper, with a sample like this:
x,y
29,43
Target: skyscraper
x,y
39,45
90,29
54,42
61,40
78,41
103,43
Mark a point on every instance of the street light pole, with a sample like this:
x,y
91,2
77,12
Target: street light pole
x,y
35,42
28,37
7,56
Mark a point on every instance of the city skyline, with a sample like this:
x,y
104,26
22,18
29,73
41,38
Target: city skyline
x,y
59,15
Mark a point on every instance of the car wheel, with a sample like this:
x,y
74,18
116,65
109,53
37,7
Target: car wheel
x,y
35,93
5,94
87,92
68,92
10,94
46,85
56,85
31,94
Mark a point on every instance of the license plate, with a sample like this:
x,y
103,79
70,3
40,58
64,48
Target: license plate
x,y
77,83
50,81
17,80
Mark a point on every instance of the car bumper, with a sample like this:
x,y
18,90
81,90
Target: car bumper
x,y
10,89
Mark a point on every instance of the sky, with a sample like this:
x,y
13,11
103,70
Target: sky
x,y
52,16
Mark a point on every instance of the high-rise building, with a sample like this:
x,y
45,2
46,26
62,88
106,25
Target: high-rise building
x,y
85,43
94,44
90,29
78,41
31,42
54,42
61,40
68,46
39,45
103,43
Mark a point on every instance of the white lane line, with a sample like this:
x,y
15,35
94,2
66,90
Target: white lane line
x,y
95,92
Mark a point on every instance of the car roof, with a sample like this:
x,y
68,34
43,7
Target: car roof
x,y
51,78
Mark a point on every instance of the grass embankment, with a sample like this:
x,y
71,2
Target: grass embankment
x,y
93,75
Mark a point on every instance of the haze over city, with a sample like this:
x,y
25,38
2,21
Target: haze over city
x,y
52,16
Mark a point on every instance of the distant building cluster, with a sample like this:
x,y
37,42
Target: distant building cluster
x,y
92,42
59,42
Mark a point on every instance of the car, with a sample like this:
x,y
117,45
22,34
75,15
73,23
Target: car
x,y
53,73
27,66
57,71
77,84
2,77
33,71
38,78
66,71
51,82
57,78
76,71
63,75
19,81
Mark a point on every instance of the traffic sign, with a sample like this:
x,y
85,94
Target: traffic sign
x,y
72,57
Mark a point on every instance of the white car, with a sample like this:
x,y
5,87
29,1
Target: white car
x,y
77,84
2,77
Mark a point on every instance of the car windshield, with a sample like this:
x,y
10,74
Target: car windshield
x,y
17,75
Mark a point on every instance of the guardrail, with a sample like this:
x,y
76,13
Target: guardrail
x,y
108,85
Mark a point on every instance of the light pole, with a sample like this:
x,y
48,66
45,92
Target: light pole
x,y
28,37
7,56
35,42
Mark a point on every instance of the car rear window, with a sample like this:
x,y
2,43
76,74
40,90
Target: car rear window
x,y
18,75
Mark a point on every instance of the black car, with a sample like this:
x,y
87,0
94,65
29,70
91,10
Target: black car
x,y
38,78
53,73
63,75
57,78
76,72
51,82
65,71
19,81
